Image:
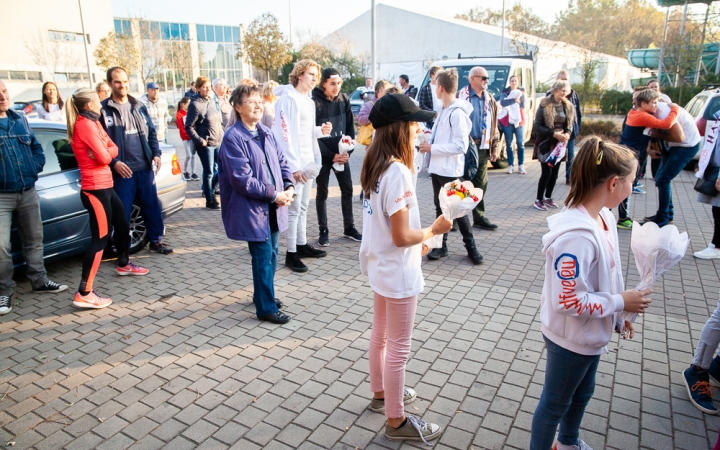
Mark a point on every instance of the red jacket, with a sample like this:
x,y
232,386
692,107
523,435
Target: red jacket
x,y
89,137
180,122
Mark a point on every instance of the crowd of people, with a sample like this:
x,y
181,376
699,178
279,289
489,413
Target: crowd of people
x,y
262,147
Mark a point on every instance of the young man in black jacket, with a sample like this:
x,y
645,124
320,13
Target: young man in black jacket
x,y
334,107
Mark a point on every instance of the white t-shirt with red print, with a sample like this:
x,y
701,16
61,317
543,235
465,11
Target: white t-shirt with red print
x,y
393,272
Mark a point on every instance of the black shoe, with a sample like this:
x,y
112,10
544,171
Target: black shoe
x,y
352,234
475,256
195,177
279,304
308,251
324,239
278,318
652,219
5,304
454,226
293,261
213,206
485,224
216,191
159,247
567,180
438,253
50,287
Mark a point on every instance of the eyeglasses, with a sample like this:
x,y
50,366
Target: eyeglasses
x,y
253,103
482,77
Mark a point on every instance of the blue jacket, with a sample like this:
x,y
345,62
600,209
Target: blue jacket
x,y
245,189
112,122
21,156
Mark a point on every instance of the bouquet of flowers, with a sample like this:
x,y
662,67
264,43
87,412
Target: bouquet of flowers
x,y
344,146
457,199
656,251
557,154
311,170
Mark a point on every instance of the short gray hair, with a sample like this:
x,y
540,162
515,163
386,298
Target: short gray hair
x,y
217,81
560,85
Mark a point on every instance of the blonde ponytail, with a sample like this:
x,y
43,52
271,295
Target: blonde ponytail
x,y
76,103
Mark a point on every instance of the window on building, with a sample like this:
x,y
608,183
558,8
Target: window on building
x,y
165,31
174,31
209,33
184,32
228,34
65,36
236,34
200,32
218,33
123,27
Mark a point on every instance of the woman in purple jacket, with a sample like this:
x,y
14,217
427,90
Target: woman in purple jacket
x,y
256,186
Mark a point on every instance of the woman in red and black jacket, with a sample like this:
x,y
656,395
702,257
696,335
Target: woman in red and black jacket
x,y
188,145
94,151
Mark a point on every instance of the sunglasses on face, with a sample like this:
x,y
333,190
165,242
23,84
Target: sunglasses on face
x,y
482,77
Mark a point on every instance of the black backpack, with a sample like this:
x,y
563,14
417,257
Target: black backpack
x,y
471,156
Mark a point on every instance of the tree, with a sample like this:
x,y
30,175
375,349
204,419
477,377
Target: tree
x,y
52,56
117,50
178,54
353,69
151,48
264,45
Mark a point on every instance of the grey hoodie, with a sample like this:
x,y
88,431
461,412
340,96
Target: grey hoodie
x,y
581,294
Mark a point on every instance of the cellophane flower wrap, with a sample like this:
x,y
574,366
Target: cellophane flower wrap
x,y
311,170
344,146
656,251
457,199
557,154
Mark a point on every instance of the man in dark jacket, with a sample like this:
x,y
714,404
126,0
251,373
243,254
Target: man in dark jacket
x,y
203,124
130,127
427,97
563,75
22,160
334,107
408,89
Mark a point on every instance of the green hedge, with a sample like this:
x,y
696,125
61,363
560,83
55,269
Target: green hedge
x,y
615,102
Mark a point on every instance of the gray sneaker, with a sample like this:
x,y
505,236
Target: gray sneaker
x,y
414,429
378,406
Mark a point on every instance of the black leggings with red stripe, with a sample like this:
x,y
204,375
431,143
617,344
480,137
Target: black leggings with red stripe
x,y
105,210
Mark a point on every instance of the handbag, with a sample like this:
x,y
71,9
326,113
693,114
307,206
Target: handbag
x,y
706,184
364,136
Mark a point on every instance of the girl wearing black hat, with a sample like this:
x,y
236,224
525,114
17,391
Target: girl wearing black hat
x,y
390,256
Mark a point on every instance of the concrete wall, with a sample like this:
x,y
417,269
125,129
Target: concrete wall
x,y
27,47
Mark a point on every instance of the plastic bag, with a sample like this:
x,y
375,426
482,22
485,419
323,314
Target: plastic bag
x,y
311,170
345,144
422,160
656,251
557,154
455,206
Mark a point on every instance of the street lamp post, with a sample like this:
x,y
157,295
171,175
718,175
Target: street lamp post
x,y
87,54
373,39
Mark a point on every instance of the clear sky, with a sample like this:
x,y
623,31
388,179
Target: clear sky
x,y
317,16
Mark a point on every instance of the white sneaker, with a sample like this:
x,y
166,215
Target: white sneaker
x,y
510,169
581,446
709,253
521,169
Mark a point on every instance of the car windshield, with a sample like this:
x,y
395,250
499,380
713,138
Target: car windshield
x,y
498,77
356,94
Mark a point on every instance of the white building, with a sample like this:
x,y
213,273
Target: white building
x,y
43,41
407,42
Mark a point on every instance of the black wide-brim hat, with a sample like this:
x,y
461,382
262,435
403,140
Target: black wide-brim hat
x,y
393,108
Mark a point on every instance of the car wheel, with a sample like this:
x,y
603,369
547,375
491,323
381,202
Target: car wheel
x,y
138,231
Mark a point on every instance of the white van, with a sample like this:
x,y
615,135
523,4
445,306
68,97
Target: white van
x,y
499,70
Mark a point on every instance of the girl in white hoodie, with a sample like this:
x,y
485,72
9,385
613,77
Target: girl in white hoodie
x,y
583,291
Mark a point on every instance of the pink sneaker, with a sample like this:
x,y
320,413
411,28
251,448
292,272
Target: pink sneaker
x,y
131,269
92,300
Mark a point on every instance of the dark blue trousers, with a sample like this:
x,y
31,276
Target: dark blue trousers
x,y
141,189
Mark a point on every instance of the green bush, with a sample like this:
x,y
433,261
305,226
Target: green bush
x,y
605,129
682,95
615,102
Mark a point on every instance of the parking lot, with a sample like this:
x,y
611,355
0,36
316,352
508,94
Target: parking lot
x,y
179,360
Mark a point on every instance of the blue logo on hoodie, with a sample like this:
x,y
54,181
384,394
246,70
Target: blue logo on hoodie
x,y
567,266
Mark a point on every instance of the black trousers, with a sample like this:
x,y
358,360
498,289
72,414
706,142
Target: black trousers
x,y
438,181
716,232
344,179
547,180
105,209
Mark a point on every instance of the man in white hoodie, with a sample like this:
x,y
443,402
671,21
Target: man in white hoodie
x,y
296,134
449,142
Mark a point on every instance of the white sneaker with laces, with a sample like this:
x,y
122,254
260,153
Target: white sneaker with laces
x,y
510,169
709,253
521,169
581,445
5,304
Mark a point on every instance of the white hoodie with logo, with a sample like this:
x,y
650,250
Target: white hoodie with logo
x,y
300,147
581,294
450,139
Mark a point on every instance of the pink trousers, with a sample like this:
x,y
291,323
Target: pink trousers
x,y
390,341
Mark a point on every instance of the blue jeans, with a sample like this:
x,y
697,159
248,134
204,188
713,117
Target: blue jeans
x,y
264,262
510,131
141,188
570,157
672,162
569,386
209,177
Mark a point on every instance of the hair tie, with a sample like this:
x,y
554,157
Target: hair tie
x,y
600,154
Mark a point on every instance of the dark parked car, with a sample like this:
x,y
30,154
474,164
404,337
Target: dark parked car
x,y
65,221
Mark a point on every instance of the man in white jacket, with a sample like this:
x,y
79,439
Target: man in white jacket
x,y
448,144
296,134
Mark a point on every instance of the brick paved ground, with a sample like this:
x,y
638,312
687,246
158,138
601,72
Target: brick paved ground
x,y
179,361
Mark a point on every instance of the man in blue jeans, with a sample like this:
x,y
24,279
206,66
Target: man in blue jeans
x,y
130,127
22,160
